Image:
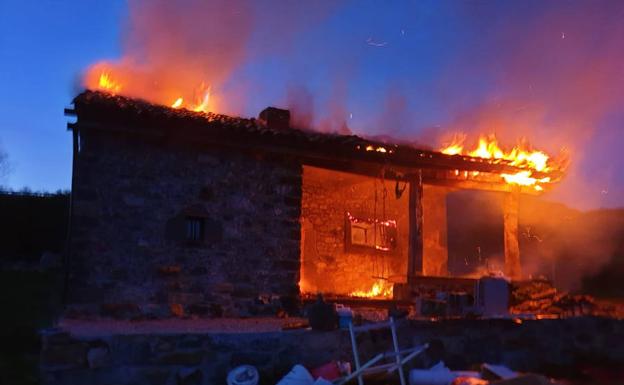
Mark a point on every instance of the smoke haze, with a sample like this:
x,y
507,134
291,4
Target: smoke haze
x,y
549,72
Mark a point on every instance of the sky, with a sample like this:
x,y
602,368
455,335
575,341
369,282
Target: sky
x,y
415,70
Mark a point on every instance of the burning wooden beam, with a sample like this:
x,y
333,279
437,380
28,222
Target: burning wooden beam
x,y
512,249
415,251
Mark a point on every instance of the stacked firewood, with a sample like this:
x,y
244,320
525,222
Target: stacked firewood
x,y
538,296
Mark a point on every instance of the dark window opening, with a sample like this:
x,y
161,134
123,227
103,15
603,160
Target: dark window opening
x,y
194,229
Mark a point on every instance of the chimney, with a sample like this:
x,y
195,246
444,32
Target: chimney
x,y
275,118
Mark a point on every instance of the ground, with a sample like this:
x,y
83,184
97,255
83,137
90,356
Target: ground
x,y
30,301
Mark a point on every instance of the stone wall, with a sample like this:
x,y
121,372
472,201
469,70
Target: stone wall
x,y
327,266
129,254
548,346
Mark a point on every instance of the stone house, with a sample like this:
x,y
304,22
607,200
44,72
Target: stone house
x,y
177,213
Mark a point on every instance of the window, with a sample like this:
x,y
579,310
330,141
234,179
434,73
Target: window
x,y
371,234
194,229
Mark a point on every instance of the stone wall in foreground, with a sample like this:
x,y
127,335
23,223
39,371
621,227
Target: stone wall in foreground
x,y
547,346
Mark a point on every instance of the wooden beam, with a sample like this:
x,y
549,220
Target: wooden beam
x,y
435,249
480,185
434,167
512,249
415,251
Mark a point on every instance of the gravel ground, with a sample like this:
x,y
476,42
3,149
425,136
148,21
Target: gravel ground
x,y
175,326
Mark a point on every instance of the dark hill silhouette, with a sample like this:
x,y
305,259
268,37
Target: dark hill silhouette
x,y
32,223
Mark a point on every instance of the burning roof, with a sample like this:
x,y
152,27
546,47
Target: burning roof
x,y
102,111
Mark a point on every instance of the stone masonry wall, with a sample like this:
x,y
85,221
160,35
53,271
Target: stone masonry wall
x,y
129,255
326,265
553,347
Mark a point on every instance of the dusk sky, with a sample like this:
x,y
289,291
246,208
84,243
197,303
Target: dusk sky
x,y
552,72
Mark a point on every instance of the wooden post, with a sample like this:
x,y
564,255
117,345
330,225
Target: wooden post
x,y
415,252
512,250
435,248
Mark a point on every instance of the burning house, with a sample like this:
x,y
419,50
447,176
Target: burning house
x,y
180,212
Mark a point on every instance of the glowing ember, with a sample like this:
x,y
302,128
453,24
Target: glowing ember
x,y
519,156
378,149
380,289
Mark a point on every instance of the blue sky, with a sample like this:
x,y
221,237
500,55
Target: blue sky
x,y
44,46
550,71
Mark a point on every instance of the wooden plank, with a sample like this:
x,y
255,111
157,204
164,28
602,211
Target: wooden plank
x,y
512,249
415,251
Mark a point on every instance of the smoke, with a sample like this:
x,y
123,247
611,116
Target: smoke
x,y
188,48
557,80
550,72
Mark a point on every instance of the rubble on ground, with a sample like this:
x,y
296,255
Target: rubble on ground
x,y
541,298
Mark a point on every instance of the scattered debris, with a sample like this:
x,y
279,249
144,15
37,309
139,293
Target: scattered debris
x,y
491,374
541,298
243,375
439,374
345,316
299,375
331,370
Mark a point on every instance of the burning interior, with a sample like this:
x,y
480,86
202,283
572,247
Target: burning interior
x,y
203,213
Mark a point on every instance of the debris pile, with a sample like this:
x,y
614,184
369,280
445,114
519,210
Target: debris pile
x,y
541,298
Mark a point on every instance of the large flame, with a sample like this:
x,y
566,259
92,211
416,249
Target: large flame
x,y
380,289
107,83
520,156
107,77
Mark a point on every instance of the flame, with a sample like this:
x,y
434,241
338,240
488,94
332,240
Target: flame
x,y
520,156
203,101
107,83
378,149
106,77
453,149
177,103
380,289
524,178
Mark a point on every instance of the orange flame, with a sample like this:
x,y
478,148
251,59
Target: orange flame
x,y
108,78
380,289
107,83
177,103
519,156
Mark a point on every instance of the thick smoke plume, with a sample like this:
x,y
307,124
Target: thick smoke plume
x,y
550,72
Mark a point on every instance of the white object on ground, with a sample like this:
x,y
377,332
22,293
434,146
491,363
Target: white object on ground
x,y
438,374
243,375
298,375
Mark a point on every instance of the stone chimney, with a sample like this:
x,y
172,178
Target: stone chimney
x,y
275,118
